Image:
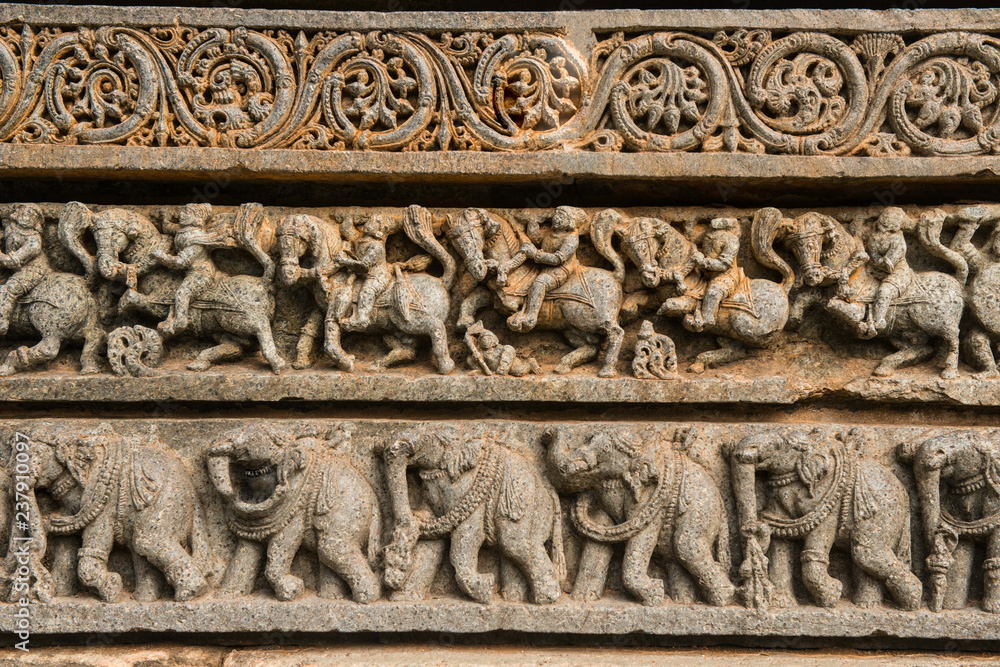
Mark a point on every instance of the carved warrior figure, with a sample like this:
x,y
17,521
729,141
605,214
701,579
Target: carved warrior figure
x,y
655,354
478,491
400,299
929,306
489,357
958,484
658,502
235,311
823,494
751,314
585,308
128,491
287,489
57,305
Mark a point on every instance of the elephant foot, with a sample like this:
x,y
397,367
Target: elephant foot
x,y
279,366
288,587
720,595
586,596
784,601
367,591
650,594
991,602
301,365
90,369
229,593
406,596
110,587
190,586
828,593
480,587
446,366
547,592
145,594
512,593
608,372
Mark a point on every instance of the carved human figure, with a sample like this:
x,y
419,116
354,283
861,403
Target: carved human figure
x,y
555,250
285,489
658,502
716,258
823,494
887,252
23,254
127,491
958,484
194,246
371,263
655,354
477,491
489,357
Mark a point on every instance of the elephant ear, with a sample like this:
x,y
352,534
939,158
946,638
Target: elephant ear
x,y
145,487
325,500
512,502
866,498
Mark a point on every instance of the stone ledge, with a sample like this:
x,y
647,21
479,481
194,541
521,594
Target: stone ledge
x,y
259,614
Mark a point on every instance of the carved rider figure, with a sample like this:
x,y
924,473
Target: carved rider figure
x,y
556,250
887,251
371,263
716,257
490,357
24,255
194,256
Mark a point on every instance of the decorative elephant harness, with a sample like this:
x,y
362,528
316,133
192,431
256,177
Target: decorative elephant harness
x,y
487,489
121,475
848,488
663,502
987,524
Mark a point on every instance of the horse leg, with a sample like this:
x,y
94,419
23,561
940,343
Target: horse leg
x,y
25,357
307,337
331,327
951,340
93,340
479,299
267,347
909,353
586,349
403,348
148,582
615,336
227,349
978,347
729,352
439,345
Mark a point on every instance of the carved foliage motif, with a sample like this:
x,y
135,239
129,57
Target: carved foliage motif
x,y
746,90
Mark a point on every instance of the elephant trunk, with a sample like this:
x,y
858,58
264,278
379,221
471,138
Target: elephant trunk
x,y
218,469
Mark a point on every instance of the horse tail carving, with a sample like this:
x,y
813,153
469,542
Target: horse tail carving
x,y
419,228
256,234
768,225
401,294
74,220
604,226
929,232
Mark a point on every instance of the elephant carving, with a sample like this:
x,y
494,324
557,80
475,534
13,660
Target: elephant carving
x,y
286,489
958,484
478,491
822,493
128,491
657,501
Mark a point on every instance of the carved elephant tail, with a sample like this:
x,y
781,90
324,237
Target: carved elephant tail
x,y
557,552
723,553
201,547
374,536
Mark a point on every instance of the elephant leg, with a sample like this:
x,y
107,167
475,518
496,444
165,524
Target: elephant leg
x,y
228,349
265,339
513,585
92,566
979,350
331,586
874,556
64,565
93,339
148,581
868,590
345,558
527,551
635,566
680,584
693,549
781,572
439,347
991,574
959,576
242,569
281,549
585,349
427,558
307,339
815,559
154,541
592,573
466,541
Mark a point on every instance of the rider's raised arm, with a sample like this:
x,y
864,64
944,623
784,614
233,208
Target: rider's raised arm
x,y
726,258
29,250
